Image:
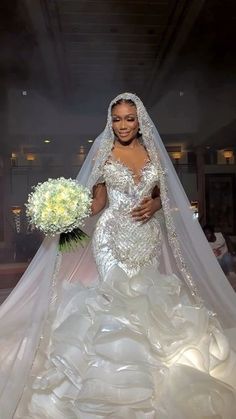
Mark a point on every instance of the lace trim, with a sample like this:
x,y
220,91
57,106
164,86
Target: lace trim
x,y
147,129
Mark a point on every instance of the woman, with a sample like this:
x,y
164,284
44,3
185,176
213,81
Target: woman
x,y
135,340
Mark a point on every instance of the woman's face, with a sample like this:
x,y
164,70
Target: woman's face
x,y
125,121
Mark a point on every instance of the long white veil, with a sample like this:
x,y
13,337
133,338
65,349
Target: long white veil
x,y
194,259
185,252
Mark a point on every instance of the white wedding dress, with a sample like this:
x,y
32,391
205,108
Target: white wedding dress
x,y
132,345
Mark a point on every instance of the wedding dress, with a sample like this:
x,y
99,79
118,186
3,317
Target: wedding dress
x,y
131,345
143,328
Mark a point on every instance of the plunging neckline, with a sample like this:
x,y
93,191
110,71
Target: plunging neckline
x,y
129,170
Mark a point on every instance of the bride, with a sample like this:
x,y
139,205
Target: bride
x,y
148,330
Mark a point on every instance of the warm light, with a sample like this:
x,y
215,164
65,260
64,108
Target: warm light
x,y
90,141
47,141
16,213
16,210
176,155
228,154
30,157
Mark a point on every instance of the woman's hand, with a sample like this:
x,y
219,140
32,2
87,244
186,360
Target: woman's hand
x,y
145,210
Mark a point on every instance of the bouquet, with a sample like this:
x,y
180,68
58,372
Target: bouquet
x,y
59,206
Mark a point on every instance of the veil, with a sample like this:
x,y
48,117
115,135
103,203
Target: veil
x,y
193,258
186,252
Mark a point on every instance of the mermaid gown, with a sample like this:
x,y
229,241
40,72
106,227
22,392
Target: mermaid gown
x,y
132,345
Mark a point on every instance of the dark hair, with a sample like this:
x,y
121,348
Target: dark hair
x,y
209,227
120,101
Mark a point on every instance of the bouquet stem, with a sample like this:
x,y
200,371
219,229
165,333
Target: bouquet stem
x,y
73,239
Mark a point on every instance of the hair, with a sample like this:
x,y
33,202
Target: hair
x,y
209,227
120,101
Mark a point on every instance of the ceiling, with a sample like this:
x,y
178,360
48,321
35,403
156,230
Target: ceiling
x,y
61,62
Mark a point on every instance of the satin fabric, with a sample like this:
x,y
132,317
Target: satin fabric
x,y
29,312
131,344
131,347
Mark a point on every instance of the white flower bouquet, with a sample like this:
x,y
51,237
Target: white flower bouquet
x,y
59,206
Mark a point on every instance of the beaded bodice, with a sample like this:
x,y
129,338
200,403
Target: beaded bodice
x,y
119,239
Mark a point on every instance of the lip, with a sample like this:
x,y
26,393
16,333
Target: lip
x,y
123,134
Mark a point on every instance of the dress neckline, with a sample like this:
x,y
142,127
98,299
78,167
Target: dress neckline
x,y
129,170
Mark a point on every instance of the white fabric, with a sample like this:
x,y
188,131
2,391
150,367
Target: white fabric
x,y
219,246
133,344
208,276
131,347
22,317
23,314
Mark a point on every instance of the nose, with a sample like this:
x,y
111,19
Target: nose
x,y
122,124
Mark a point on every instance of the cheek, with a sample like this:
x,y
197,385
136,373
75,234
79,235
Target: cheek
x,y
135,127
114,127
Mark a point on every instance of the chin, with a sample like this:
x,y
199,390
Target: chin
x,y
125,139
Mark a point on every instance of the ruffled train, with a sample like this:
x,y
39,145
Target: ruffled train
x,y
132,348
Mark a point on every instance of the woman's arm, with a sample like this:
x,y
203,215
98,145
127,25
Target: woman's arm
x,y
99,198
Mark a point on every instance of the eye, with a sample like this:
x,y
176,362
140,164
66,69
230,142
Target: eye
x,y
115,119
131,119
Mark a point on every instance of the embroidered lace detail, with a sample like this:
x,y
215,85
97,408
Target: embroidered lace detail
x,y
118,239
147,128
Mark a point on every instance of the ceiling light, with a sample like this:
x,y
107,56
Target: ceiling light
x,y
90,141
47,141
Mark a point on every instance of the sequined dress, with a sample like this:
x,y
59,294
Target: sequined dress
x,y
132,346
